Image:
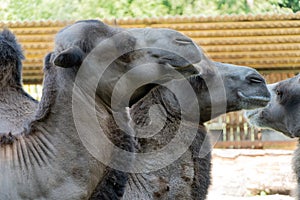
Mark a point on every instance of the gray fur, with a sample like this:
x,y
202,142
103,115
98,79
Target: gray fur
x,y
48,159
161,47
282,114
189,176
16,106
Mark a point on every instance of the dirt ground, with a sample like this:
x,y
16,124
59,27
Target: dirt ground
x,y
242,174
267,197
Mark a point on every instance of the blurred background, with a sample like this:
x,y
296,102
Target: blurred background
x,y
79,9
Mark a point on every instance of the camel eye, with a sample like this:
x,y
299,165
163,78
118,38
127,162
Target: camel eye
x,y
278,93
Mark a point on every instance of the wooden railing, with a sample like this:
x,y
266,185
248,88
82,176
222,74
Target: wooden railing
x,y
265,42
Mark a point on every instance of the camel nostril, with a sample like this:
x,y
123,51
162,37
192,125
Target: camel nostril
x,y
264,114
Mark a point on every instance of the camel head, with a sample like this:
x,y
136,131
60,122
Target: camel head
x,y
283,111
245,87
229,88
11,57
126,62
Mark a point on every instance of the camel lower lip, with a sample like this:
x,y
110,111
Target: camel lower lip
x,y
253,98
295,133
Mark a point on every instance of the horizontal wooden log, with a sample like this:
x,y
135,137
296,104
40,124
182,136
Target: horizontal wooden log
x,y
265,42
288,145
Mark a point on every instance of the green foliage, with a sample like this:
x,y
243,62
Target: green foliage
x,y
292,4
82,9
251,6
233,6
38,9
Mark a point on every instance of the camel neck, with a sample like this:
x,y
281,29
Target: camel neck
x,y
16,107
57,95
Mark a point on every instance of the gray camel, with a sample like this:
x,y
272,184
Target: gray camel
x,y
16,106
206,113
282,114
49,159
188,177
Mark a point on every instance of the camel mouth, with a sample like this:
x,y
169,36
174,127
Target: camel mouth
x,y
254,117
257,100
295,133
251,113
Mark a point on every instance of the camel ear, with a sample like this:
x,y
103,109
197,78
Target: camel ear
x,y
70,57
